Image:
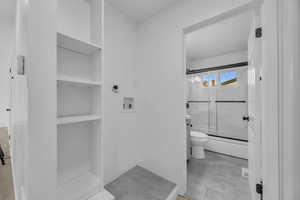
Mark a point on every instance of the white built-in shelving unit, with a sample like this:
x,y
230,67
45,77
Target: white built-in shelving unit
x,y
79,98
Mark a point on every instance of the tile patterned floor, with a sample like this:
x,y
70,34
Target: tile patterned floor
x,y
218,177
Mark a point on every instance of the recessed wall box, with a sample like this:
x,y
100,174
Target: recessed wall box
x,y
128,104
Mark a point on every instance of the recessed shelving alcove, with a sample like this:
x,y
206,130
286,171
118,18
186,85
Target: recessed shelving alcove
x,y
79,98
78,170
77,59
76,99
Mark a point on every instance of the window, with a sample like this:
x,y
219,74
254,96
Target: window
x,y
194,79
215,79
228,78
205,82
210,80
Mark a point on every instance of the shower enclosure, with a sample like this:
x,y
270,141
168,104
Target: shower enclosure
x,y
217,100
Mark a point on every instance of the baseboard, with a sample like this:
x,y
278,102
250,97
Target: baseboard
x,y
229,147
23,196
104,195
173,194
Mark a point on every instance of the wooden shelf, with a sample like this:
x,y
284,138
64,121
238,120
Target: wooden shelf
x,y
76,44
81,187
77,81
77,119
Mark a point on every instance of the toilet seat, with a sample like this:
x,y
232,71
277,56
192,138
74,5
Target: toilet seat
x,y
197,134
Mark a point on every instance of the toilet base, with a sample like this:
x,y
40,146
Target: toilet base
x,y
198,152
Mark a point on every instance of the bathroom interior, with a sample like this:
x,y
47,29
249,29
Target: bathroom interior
x,y
217,109
122,117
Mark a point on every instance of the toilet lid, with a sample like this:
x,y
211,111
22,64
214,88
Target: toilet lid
x,y
198,134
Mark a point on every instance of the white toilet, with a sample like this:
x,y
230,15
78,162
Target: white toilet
x,y
198,140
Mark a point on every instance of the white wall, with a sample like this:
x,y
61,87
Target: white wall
x,y
40,52
270,101
226,59
120,129
290,96
34,119
6,38
160,85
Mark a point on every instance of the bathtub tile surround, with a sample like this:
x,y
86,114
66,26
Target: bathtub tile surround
x,y
218,177
141,184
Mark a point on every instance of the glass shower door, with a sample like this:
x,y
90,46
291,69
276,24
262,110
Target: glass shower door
x,y
198,100
218,102
231,104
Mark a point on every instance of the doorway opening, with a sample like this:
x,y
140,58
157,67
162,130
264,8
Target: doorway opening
x,y
7,24
223,103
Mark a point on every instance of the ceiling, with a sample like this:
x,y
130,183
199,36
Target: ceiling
x,y
140,10
227,36
7,8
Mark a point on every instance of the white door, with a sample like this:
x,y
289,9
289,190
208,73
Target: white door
x,y
18,101
254,107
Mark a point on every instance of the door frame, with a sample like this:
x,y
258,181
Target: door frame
x,y
271,143
286,58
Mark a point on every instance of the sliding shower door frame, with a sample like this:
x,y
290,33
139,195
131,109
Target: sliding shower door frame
x,y
212,129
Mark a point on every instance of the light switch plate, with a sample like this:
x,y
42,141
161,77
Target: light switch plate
x,y
245,172
21,64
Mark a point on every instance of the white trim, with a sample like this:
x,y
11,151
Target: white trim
x,y
288,93
173,194
280,87
271,146
23,195
77,119
75,44
104,195
252,5
77,81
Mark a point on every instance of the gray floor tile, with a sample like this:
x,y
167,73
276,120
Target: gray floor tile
x,y
140,184
218,177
